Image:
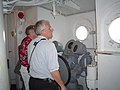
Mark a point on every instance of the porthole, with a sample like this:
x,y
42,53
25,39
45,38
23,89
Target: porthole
x,y
114,30
81,33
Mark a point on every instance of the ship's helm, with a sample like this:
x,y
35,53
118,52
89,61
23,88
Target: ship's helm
x,y
73,62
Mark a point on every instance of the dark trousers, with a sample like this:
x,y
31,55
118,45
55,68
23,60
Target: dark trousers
x,y
40,84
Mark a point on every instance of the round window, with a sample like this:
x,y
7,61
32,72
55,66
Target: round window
x,y
81,33
114,30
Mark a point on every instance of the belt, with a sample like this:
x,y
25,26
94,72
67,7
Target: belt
x,y
44,79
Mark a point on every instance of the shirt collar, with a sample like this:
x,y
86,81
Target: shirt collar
x,y
42,37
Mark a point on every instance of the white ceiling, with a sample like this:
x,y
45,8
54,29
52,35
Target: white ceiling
x,y
67,10
63,7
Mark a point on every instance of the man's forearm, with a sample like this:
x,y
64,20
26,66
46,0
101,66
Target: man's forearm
x,y
57,77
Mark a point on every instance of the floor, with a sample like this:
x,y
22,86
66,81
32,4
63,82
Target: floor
x,y
13,87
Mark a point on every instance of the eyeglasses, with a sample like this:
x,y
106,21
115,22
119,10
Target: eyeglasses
x,y
51,29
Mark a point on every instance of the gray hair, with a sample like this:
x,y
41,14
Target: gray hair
x,y
40,26
30,29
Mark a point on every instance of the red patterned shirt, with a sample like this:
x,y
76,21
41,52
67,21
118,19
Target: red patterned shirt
x,y
23,51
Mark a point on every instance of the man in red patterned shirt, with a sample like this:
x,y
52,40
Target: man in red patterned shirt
x,y
24,55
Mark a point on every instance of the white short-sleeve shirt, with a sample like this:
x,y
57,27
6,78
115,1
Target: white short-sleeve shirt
x,y
44,58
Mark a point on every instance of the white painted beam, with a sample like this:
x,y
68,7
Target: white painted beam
x,y
4,80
